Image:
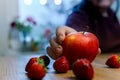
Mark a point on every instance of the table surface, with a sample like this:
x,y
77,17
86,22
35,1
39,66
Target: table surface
x,y
12,68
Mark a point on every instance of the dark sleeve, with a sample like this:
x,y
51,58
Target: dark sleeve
x,y
77,21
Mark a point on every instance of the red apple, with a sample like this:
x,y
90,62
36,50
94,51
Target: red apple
x,y
80,45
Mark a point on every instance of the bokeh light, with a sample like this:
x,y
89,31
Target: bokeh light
x,y
43,2
57,2
28,2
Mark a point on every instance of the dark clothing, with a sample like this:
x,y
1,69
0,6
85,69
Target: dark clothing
x,y
107,29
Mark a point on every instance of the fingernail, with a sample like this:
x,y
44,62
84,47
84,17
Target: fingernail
x,y
58,49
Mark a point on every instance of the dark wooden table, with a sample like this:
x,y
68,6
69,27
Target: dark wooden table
x,y
12,68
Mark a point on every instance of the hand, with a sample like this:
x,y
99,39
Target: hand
x,y
55,48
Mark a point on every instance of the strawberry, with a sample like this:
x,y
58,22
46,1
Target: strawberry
x,y
36,71
83,69
36,68
113,61
30,62
61,65
34,59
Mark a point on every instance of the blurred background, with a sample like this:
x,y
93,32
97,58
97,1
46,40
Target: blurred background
x,y
27,25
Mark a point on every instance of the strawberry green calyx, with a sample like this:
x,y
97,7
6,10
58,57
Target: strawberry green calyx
x,y
41,61
45,69
119,59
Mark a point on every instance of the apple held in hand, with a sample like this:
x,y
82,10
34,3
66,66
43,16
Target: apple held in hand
x,y
80,45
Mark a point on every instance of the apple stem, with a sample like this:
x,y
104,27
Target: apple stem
x,y
86,29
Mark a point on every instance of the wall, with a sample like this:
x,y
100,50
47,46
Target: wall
x,y
8,9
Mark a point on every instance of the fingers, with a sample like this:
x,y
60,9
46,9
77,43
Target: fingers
x,y
55,50
54,44
99,51
61,32
55,47
69,30
52,54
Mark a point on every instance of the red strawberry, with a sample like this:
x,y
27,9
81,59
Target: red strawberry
x,y
36,71
36,68
61,65
83,69
113,61
30,62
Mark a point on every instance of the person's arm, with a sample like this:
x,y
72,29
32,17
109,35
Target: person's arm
x,y
77,21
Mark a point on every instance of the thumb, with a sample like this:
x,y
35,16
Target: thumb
x,y
99,51
61,32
